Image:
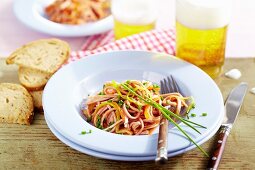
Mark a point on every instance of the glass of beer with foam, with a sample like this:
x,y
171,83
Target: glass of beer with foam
x,y
133,16
201,29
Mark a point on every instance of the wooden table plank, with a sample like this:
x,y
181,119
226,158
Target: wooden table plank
x,y
35,147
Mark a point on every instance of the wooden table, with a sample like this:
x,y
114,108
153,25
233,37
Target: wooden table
x,y
35,147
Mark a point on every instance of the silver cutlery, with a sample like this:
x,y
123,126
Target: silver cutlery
x,y
167,85
232,106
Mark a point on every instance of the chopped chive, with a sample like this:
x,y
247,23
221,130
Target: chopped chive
x,y
155,86
120,103
98,124
193,115
204,114
84,132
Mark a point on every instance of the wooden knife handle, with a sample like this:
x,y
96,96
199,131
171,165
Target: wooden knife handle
x,y
218,150
162,141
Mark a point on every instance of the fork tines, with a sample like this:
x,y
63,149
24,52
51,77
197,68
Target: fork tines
x,y
169,85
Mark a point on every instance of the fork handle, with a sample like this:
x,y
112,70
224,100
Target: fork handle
x,y
162,141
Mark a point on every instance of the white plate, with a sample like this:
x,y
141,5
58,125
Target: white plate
x,y
31,13
117,157
66,89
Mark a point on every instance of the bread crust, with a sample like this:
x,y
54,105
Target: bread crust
x,y
16,104
46,55
33,80
37,99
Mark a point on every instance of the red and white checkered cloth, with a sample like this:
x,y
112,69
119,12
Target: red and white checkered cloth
x,y
155,40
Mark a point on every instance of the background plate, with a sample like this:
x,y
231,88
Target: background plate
x,y
31,13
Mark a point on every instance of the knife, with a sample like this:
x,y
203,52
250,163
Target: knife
x,y
232,108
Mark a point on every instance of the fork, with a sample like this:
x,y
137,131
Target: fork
x,y
167,85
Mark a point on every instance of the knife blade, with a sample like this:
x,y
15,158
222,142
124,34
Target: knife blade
x,y
232,108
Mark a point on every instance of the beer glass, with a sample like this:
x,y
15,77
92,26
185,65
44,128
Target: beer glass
x,y
201,29
133,16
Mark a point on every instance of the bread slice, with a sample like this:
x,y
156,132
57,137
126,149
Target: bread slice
x,y
33,79
16,104
37,99
46,55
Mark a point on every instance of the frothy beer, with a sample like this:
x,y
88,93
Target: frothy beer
x,y
133,16
201,29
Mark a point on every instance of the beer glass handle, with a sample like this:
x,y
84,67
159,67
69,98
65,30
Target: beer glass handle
x,y
162,141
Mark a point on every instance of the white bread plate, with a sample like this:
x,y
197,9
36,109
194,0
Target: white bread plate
x,y
31,13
